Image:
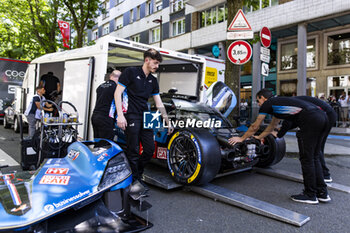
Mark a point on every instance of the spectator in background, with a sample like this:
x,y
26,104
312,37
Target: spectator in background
x,y
243,109
343,100
51,84
332,100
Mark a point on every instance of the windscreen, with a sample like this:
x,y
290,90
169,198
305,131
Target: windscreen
x,y
173,73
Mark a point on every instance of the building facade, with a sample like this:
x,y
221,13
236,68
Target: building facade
x,y
310,47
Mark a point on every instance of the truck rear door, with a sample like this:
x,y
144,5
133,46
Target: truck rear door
x,y
76,89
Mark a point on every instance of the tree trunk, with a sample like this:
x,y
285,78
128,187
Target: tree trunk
x,y
232,71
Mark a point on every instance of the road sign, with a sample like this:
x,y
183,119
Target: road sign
x,y
265,69
215,51
265,58
265,37
239,23
240,35
239,52
265,51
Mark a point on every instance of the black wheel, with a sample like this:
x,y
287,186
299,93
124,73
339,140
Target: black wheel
x,y
16,125
275,151
5,123
193,156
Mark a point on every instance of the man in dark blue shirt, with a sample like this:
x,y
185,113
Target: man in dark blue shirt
x,y
332,117
51,84
139,84
102,118
312,123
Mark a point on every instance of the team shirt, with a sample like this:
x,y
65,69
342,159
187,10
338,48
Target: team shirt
x,y
288,108
105,99
138,88
50,83
322,104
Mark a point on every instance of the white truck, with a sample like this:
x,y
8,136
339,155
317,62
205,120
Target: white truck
x,y
82,70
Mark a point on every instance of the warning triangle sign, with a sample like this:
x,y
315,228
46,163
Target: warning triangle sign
x,y
239,22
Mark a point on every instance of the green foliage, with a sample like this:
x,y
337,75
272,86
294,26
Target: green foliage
x,y
82,14
29,28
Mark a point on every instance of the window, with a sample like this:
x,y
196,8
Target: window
x,y
119,22
105,29
148,7
338,49
136,38
155,35
138,12
176,5
178,27
260,4
289,55
131,16
213,15
105,6
95,34
158,5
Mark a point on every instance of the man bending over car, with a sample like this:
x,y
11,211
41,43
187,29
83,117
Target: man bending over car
x,y
312,123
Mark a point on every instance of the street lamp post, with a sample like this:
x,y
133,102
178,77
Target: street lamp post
x,y
160,21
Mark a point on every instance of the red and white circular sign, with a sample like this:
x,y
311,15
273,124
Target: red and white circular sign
x,y
239,52
265,37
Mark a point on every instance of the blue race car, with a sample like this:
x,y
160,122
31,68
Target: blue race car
x,y
198,150
86,191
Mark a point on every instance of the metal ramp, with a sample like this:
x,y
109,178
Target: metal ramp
x,y
160,177
298,178
248,203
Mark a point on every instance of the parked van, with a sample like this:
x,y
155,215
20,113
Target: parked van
x,y
82,70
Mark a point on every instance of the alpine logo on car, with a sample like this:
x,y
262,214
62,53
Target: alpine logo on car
x,y
58,180
57,171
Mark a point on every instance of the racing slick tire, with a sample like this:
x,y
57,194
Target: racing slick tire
x,y
5,123
193,156
274,154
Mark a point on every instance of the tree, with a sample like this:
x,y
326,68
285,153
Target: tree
x,y
29,28
82,13
232,71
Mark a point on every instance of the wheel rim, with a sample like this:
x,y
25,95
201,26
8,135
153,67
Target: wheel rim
x,y
183,157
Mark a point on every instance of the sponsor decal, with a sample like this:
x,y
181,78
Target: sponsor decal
x,y
49,208
162,152
73,154
71,199
57,171
58,180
